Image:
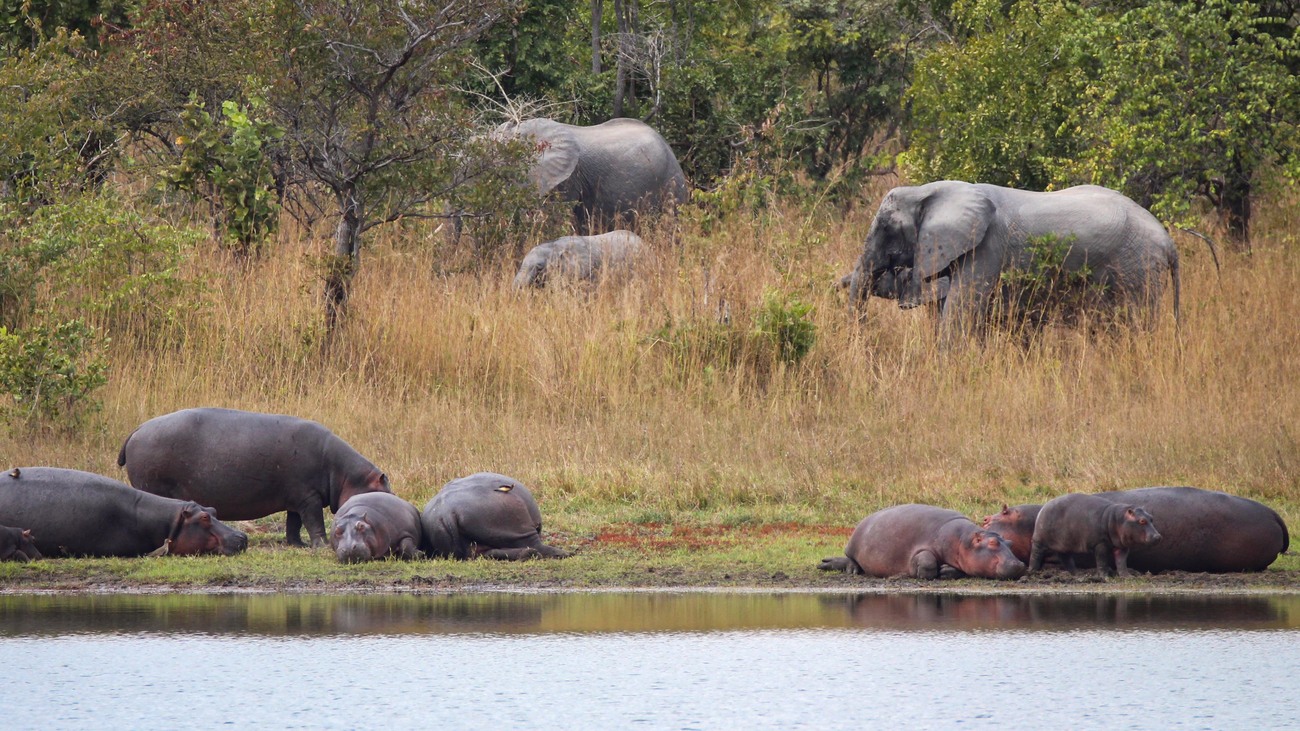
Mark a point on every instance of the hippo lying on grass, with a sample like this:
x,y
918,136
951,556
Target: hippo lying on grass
x,y
922,541
73,513
376,525
248,465
1202,531
16,544
485,514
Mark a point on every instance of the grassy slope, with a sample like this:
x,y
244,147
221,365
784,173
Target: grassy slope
x,y
583,397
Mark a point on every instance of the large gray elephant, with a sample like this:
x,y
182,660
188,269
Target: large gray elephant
x,y
613,172
947,243
579,258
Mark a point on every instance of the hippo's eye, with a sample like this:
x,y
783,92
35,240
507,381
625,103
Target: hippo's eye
x,y
1142,521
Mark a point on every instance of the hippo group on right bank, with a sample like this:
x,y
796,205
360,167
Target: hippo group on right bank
x,y
1148,530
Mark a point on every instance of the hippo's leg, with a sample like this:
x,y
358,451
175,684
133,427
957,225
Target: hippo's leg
x,y
551,551
951,572
1103,555
925,565
313,519
293,528
1067,562
1121,561
407,550
1036,556
509,554
840,563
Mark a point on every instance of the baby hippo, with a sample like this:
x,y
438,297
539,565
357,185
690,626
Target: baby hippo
x,y
1080,523
374,525
579,258
17,545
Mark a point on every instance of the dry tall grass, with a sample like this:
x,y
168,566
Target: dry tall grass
x,y
438,375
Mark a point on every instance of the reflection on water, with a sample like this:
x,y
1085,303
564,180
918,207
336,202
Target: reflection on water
x,y
661,661
28,615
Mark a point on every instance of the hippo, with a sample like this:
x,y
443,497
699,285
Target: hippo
x,y
925,542
579,258
374,525
74,513
1203,531
485,514
17,544
1078,523
248,465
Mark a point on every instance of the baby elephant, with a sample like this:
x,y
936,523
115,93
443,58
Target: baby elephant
x,y
376,525
579,258
17,545
1080,523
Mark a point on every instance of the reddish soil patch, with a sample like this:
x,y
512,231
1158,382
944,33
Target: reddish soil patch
x,y
706,536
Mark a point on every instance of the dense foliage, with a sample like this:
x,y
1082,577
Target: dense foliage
x,y
137,115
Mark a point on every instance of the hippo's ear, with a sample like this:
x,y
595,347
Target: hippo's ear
x,y
1005,510
27,534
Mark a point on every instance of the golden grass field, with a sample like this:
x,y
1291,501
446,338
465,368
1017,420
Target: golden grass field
x,y
440,372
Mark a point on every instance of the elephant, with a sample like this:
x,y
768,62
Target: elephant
x,y
579,258
613,172
948,244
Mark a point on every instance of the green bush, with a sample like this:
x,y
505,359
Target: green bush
x,y
1045,290
783,322
225,162
49,374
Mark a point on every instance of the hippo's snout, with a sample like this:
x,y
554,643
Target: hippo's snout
x,y
238,543
1012,569
353,552
1155,537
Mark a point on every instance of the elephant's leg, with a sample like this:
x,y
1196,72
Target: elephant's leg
x,y
965,309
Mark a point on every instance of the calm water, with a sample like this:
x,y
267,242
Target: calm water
x,y
650,660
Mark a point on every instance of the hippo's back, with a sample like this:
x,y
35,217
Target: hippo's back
x,y
70,512
244,464
884,542
1206,530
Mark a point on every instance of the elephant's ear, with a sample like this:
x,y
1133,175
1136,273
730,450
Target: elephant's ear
x,y
557,152
953,221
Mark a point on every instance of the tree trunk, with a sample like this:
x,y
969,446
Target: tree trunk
x,y
1234,205
597,9
620,59
347,254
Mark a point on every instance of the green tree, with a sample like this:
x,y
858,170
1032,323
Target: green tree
x,y
1189,99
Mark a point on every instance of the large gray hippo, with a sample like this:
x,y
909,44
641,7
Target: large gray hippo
x,y
17,544
579,259
375,525
920,541
485,514
248,465
1090,524
1203,530
74,513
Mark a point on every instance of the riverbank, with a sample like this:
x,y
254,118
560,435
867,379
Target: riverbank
x,y
615,556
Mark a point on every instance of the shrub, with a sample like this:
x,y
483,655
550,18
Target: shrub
x,y
48,374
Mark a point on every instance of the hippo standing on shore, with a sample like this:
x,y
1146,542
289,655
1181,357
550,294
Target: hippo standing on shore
x,y
920,541
579,258
485,514
1203,530
248,465
1078,523
16,544
74,513
375,525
